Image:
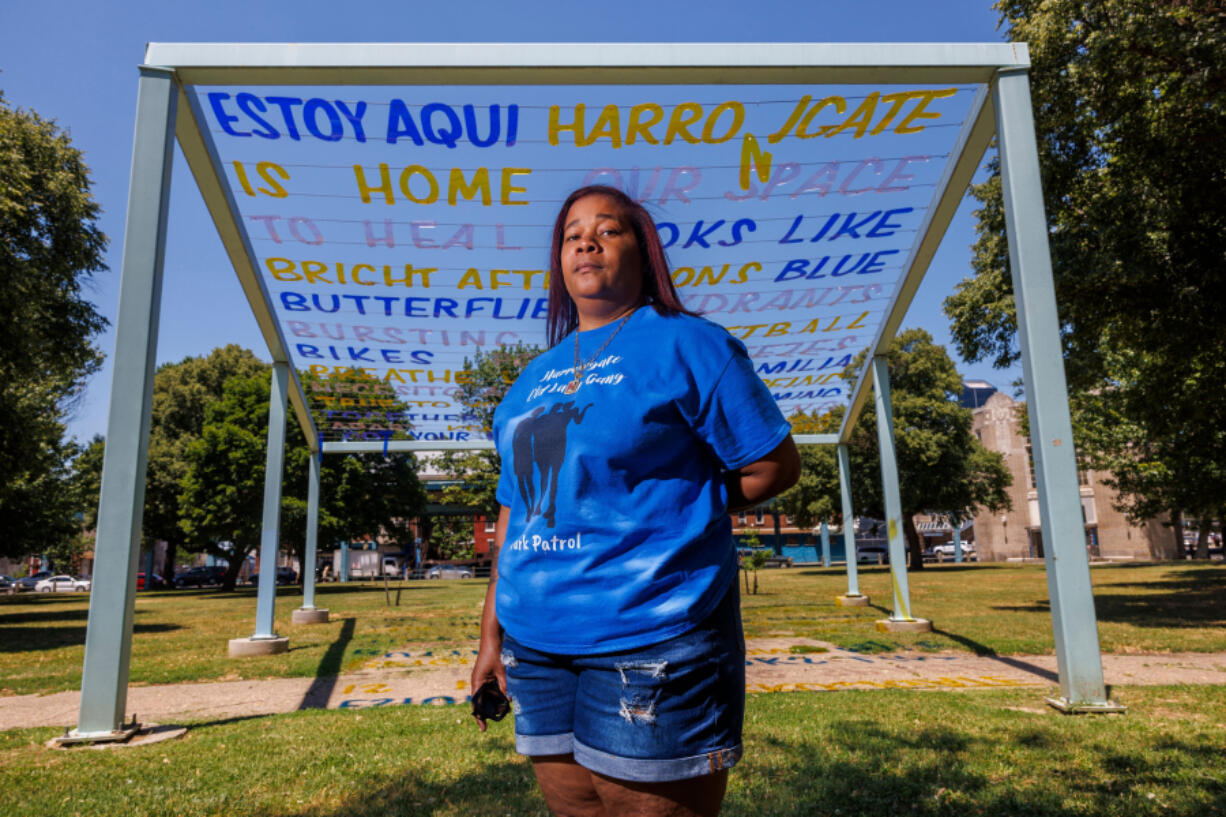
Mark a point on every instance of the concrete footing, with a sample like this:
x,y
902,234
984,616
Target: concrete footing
x,y
310,615
244,647
1107,707
916,625
851,601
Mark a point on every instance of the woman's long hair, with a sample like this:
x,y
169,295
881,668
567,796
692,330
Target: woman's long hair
x,y
658,287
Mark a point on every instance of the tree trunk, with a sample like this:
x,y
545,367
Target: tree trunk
x,y
1177,532
755,582
746,572
915,545
1202,537
169,570
231,578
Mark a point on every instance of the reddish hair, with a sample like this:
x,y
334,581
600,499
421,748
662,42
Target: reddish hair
x,y
658,287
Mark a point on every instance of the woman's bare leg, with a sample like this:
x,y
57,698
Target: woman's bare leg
x,y
568,787
695,797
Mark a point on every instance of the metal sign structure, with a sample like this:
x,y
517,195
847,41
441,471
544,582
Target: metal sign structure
x,y
387,209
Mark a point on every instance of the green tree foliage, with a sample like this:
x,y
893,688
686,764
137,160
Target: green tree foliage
x,y
815,497
181,392
50,246
474,474
942,467
223,489
1130,107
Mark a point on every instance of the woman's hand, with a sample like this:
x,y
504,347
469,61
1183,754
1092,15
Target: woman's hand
x,y
489,654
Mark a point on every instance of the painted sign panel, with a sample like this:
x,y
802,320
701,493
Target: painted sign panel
x,y
398,230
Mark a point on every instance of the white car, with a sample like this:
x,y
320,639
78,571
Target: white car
x,y
61,584
947,549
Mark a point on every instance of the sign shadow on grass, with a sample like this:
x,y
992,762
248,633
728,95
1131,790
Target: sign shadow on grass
x,y
320,691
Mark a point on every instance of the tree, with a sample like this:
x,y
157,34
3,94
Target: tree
x,y
50,246
474,474
223,489
815,497
181,393
1130,105
942,467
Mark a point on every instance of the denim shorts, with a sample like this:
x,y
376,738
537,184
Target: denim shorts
x,y
669,711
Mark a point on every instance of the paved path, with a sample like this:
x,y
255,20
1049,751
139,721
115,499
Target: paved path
x,y
433,677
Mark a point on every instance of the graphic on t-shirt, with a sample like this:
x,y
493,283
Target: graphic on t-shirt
x,y
538,448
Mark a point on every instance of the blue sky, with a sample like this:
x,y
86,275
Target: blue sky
x,y
75,62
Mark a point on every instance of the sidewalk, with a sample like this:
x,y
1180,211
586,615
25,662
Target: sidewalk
x,y
430,677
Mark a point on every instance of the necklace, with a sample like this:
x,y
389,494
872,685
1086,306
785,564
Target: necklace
x,y
577,381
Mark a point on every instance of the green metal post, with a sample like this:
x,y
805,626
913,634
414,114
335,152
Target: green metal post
x,y
108,636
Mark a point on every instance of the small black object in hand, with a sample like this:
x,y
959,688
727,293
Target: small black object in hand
x,y
489,704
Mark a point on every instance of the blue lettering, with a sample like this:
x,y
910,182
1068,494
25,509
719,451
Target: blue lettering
x,y
400,123
470,119
251,105
355,118
286,104
884,223
447,137
310,116
661,226
738,228
876,264
224,119
793,269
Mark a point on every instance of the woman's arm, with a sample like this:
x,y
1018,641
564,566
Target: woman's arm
x,y
489,654
753,484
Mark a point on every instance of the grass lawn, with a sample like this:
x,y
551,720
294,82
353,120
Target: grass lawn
x,y
889,753
988,608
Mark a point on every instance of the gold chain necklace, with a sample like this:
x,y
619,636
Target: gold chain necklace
x,y
576,382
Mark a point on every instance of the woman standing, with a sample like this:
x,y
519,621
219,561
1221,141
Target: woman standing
x,y
612,620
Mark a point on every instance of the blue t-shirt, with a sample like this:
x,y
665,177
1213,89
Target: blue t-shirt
x,y
619,534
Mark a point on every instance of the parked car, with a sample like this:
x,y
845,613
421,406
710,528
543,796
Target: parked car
x,y
285,575
947,549
140,580
200,576
6,582
61,584
873,554
28,582
449,572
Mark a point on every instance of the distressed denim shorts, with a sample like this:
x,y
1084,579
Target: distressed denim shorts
x,y
669,711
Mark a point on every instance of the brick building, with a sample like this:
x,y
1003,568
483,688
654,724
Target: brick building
x,y
1016,533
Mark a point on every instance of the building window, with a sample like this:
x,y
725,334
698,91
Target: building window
x,y
740,518
758,515
489,525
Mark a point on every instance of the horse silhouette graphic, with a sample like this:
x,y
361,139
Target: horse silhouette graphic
x,y
538,449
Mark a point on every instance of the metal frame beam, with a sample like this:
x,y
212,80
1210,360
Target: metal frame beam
x,y
1051,432
312,533
889,490
582,63
108,636
270,533
849,534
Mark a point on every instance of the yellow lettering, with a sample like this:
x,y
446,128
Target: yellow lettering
x,y
636,128
791,121
608,125
575,127
919,112
406,176
385,184
353,273
778,329
241,173
752,155
265,169
314,271
839,104
508,184
472,278
282,269
458,187
738,119
684,115
860,118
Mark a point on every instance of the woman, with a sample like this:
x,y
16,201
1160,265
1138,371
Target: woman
x,y
612,620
